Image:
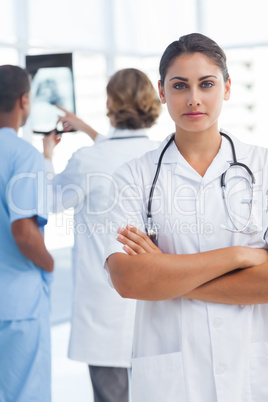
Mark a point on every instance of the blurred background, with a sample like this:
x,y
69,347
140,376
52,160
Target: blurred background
x,y
104,36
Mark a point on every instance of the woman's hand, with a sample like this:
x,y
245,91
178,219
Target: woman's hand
x,y
136,242
71,122
49,143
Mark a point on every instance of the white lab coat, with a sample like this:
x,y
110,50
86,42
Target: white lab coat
x,y
102,322
188,350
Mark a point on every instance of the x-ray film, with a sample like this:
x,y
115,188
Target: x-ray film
x,y
52,84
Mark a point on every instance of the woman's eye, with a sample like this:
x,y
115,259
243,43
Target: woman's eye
x,y
180,85
207,84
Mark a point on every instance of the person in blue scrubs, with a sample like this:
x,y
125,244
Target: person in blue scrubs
x,y
25,264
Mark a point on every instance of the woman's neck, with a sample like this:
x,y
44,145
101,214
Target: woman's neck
x,y
198,149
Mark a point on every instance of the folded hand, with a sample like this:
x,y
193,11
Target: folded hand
x,y
136,242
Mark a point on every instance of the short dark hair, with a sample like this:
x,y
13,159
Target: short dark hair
x,y
135,103
14,82
193,43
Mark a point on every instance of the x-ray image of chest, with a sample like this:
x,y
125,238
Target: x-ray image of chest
x,y
47,91
50,86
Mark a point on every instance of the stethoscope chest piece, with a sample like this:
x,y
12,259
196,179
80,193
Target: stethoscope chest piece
x,y
152,231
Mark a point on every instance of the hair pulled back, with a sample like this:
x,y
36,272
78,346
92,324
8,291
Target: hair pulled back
x,y
189,44
135,103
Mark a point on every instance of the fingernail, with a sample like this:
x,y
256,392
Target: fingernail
x,y
120,230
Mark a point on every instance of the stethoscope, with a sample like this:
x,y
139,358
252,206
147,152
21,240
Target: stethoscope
x,y
248,228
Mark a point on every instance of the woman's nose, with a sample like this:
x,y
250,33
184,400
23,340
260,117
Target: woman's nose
x,y
194,99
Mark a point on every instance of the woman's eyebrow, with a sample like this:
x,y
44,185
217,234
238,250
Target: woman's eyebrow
x,y
207,76
179,78
186,79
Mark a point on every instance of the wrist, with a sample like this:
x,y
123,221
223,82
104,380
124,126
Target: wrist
x,y
243,258
89,131
48,156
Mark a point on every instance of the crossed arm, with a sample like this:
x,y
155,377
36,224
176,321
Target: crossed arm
x,y
216,276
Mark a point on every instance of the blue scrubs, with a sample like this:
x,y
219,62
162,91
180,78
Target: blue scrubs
x,y
25,366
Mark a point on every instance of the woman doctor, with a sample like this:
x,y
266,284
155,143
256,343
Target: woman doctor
x,y
102,322
201,331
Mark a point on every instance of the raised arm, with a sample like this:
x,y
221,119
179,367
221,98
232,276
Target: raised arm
x,y
30,242
71,121
65,189
157,276
49,143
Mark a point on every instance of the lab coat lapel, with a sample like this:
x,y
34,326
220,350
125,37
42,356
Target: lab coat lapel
x,y
225,157
173,157
218,166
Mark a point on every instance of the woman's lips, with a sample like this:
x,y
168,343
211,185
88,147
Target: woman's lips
x,y
194,115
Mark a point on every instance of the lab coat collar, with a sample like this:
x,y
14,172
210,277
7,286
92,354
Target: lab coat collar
x,y
172,154
219,165
224,157
241,149
117,132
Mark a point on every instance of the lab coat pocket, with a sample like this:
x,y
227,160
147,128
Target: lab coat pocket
x,y
259,371
158,378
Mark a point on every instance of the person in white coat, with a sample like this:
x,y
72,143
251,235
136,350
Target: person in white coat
x,y
201,329
102,322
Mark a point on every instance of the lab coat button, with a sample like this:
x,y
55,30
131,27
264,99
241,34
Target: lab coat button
x,y
217,323
219,370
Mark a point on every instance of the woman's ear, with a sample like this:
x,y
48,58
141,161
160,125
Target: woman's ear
x,y
161,93
227,91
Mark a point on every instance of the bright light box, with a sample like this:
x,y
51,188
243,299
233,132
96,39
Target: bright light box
x,y
52,84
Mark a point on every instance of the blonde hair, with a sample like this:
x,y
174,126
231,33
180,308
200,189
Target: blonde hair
x,y
135,103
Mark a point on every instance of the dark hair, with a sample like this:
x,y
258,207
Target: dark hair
x,y
135,103
14,82
193,43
